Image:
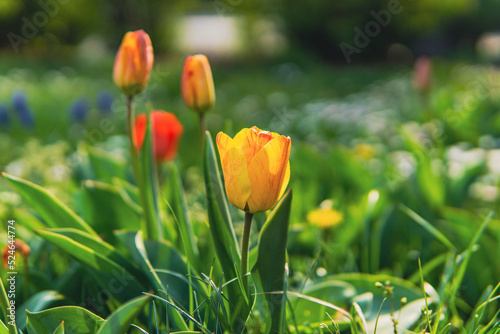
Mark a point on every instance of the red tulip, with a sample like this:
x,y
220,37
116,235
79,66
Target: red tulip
x,y
166,130
133,62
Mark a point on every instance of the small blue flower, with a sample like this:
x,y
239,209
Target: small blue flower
x,y
19,101
80,109
4,116
105,101
20,104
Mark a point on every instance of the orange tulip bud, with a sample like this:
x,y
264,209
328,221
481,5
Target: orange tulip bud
x,y
197,84
166,130
17,247
256,168
133,62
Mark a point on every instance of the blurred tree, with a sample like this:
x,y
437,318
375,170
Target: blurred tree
x,y
317,26
322,25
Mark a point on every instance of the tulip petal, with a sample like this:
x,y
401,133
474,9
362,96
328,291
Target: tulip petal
x,y
251,141
197,84
237,183
286,179
167,130
139,130
224,144
133,62
267,173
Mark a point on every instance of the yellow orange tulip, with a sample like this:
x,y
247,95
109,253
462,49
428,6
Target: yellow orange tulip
x,y
197,84
133,62
256,168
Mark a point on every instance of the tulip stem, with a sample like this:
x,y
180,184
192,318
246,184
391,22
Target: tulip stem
x,y
148,230
130,128
201,118
244,251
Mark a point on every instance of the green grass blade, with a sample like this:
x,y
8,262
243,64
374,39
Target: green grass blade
x,y
428,226
323,303
178,207
378,315
359,312
184,313
457,281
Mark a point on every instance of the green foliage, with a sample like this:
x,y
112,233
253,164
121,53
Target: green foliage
x,y
77,320
412,181
52,211
121,319
270,269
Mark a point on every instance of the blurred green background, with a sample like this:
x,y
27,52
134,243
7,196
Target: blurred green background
x,y
359,128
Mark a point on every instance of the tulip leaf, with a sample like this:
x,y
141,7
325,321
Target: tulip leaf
x,y
4,302
60,329
108,274
221,226
139,252
107,165
148,184
35,303
101,247
105,209
120,320
54,212
77,320
178,206
3,328
269,271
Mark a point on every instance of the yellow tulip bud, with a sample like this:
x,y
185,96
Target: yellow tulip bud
x,y
256,168
133,63
197,84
